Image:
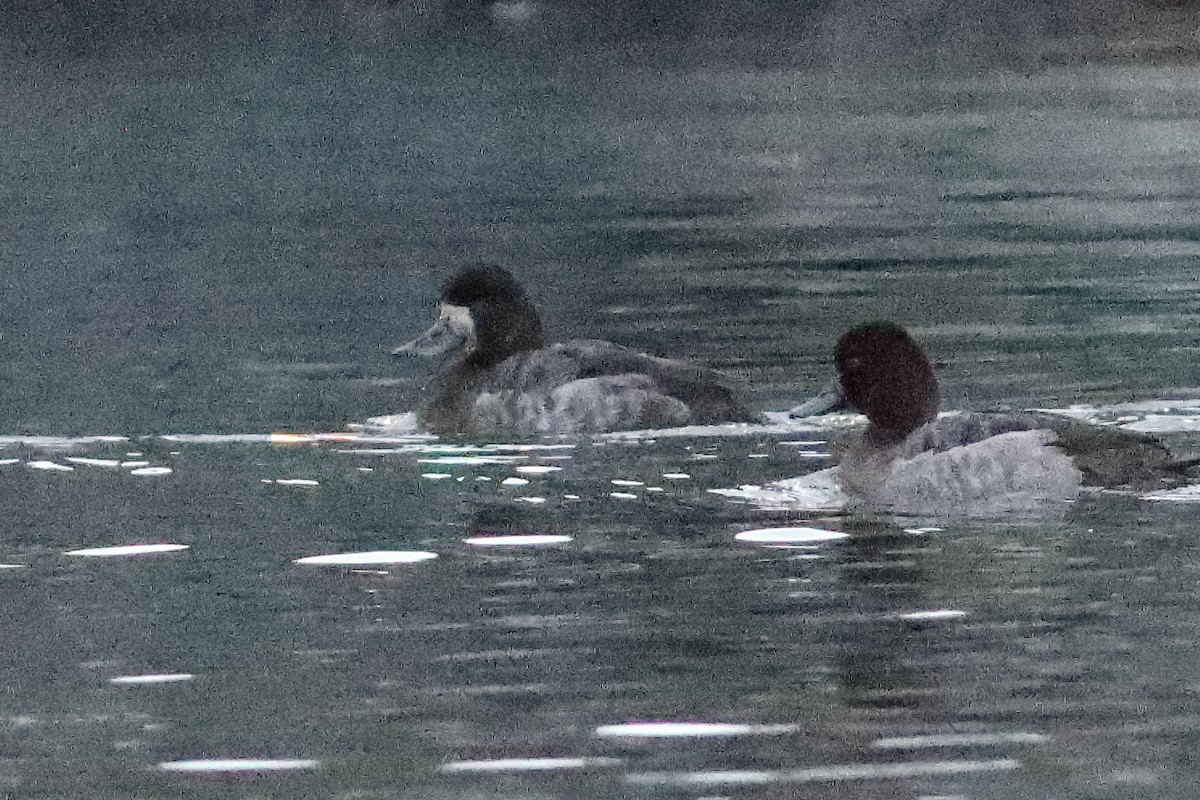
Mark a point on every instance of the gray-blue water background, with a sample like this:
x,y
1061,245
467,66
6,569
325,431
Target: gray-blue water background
x,y
222,226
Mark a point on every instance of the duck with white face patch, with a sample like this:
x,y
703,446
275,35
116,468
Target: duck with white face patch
x,y
453,330
501,378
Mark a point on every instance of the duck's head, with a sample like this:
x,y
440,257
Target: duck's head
x,y
483,316
887,376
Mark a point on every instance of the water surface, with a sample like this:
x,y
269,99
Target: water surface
x,y
208,246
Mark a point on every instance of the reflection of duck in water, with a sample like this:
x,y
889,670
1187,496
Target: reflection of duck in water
x,y
512,12
507,13
909,460
501,377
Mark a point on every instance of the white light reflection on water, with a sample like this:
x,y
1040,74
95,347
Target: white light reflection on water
x,y
50,466
688,730
790,536
303,482
120,551
260,438
774,423
470,461
518,540
957,740
367,558
1181,415
829,774
932,615
526,765
138,468
227,765
58,442
1184,494
151,472
146,680
94,462
816,491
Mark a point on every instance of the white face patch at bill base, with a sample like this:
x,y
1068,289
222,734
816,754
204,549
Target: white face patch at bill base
x,y
457,320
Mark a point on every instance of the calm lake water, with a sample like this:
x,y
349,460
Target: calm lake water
x,y
209,251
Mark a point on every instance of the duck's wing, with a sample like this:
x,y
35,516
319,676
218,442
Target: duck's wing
x,y
1105,456
1113,457
590,385
960,430
532,372
707,394
553,390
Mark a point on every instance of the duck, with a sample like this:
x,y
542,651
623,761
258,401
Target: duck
x,y
910,460
500,377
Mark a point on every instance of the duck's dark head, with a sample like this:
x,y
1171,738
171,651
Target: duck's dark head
x,y
886,376
483,316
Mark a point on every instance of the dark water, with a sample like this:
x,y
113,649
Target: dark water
x,y
228,240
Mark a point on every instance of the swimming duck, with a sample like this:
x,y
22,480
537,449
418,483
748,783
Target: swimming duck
x,y
501,377
909,460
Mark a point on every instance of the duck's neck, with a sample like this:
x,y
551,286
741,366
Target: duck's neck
x,y
447,413
878,437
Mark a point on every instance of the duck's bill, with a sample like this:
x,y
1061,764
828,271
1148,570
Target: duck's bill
x,y
830,399
441,338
